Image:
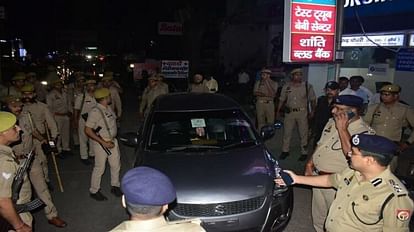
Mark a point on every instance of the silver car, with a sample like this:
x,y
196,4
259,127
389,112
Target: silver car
x,y
219,164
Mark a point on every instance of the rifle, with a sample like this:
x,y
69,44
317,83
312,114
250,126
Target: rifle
x,y
17,185
107,151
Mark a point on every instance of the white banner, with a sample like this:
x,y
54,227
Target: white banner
x,y
175,68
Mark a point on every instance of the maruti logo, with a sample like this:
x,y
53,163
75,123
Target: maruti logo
x,y
352,3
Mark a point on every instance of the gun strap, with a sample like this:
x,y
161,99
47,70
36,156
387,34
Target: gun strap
x,y
106,123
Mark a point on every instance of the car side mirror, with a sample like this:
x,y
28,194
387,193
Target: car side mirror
x,y
129,139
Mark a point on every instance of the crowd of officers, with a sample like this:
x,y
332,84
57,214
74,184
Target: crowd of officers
x,y
44,120
87,112
326,125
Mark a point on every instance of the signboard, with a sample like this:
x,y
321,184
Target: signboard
x,y
405,60
170,28
373,40
309,31
411,43
149,67
378,69
175,68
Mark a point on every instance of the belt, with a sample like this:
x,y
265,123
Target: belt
x,y
61,114
319,172
296,109
265,101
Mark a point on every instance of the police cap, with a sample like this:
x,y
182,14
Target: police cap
x,y
265,70
391,88
90,81
332,85
19,76
27,88
7,120
374,144
101,93
349,100
12,100
296,70
147,186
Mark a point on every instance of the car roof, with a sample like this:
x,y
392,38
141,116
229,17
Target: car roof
x,y
194,102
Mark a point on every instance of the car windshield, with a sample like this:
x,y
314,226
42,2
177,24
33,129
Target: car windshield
x,y
206,130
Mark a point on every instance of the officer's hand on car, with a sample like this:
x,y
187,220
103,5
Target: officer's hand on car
x,y
289,176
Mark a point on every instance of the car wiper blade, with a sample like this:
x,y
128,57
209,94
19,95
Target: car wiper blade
x,y
240,144
187,147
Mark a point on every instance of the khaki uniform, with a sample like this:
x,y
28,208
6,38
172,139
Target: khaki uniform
x,y
329,158
116,105
199,88
40,90
159,224
8,167
108,133
59,106
389,122
40,114
296,101
37,177
88,104
148,97
359,203
74,92
265,106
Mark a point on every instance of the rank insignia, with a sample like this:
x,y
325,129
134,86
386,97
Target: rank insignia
x,y
403,214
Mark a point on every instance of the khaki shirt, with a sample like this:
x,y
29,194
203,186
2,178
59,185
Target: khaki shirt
x,y
116,105
267,87
149,96
58,102
389,121
8,168
40,115
159,224
295,96
199,88
26,144
328,156
108,124
364,199
88,105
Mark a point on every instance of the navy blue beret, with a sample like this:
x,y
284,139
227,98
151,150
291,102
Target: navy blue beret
x,y
349,100
147,186
375,144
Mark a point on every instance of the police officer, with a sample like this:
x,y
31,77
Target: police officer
x,y
161,83
107,82
17,82
295,97
41,117
101,128
389,116
9,133
151,92
75,89
84,103
198,85
36,174
59,105
330,154
147,193
265,91
40,89
369,197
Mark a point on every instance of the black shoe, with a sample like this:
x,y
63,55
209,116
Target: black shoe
x,y
98,196
284,155
116,191
87,162
303,157
49,186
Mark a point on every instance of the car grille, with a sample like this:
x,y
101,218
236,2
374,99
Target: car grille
x,y
218,209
